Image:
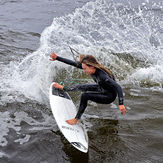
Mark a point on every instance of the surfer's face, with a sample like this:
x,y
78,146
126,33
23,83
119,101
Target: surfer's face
x,y
88,69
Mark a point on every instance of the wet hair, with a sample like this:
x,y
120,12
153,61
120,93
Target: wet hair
x,y
89,60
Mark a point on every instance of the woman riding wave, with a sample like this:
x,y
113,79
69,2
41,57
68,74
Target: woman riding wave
x,y
104,91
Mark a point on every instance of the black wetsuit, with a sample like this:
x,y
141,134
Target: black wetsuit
x,y
104,92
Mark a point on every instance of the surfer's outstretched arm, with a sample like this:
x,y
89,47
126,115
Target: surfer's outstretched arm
x,y
64,60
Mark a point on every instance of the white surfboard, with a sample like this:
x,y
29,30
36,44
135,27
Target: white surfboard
x,y
63,109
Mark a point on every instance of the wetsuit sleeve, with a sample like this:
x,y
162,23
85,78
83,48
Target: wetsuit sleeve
x,y
71,88
69,62
118,88
82,87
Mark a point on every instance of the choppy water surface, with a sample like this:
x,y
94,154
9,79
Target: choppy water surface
x,y
126,36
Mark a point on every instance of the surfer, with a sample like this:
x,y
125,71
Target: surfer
x,y
104,91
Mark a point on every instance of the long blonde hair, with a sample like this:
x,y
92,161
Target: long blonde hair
x,y
89,60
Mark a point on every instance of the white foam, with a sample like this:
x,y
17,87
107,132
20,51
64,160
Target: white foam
x,y
23,140
99,28
150,75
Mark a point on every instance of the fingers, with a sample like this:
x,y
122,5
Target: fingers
x,y
53,56
123,112
55,85
122,109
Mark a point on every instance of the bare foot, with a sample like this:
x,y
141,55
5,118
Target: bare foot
x,y
72,121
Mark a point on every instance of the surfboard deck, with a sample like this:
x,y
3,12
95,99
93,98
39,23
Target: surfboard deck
x,y
63,109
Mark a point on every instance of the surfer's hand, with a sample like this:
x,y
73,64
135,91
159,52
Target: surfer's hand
x,y
53,56
122,109
56,85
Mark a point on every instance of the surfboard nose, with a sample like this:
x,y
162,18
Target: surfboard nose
x,y
80,146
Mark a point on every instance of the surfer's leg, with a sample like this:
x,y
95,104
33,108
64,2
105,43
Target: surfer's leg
x,y
81,87
96,97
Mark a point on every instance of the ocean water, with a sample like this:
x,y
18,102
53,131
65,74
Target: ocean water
x,y
124,35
